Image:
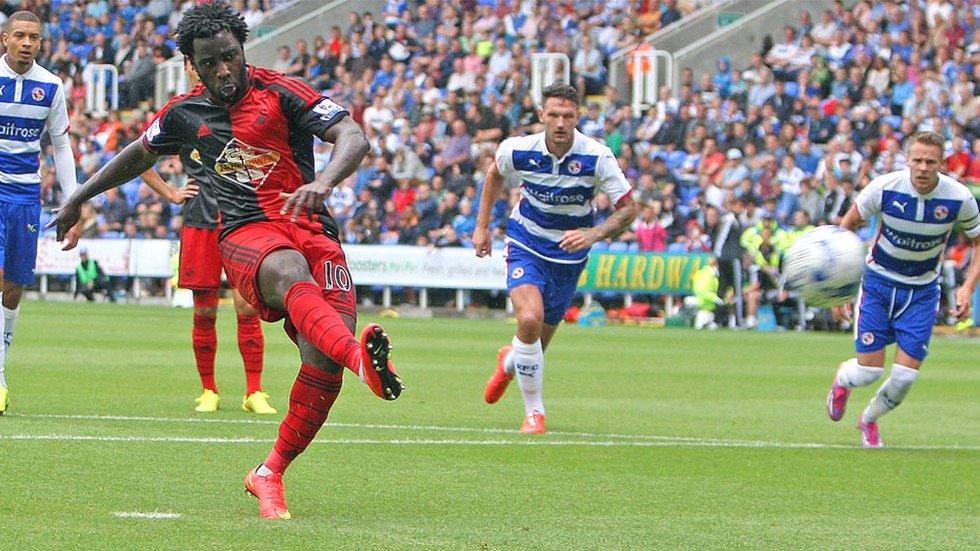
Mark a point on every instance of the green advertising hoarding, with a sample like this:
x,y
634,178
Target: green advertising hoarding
x,y
658,273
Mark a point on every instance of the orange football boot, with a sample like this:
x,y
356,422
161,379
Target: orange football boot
x,y
533,424
271,494
497,383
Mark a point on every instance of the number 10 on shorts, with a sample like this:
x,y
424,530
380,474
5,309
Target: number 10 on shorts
x,y
336,276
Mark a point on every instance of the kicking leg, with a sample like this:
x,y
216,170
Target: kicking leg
x,y
286,284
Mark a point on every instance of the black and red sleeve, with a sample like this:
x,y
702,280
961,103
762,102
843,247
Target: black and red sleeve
x,y
164,136
306,108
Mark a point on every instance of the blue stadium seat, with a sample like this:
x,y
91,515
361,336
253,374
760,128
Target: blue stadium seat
x,y
634,247
600,247
793,88
618,247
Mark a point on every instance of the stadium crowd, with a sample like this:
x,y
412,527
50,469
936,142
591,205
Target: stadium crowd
x,y
763,147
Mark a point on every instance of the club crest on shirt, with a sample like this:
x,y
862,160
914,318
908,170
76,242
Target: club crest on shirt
x,y
867,338
244,164
517,273
37,94
574,166
940,213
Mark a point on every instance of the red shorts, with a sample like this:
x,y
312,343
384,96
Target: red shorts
x,y
244,249
200,262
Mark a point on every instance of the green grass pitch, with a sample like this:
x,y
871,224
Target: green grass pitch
x,y
658,439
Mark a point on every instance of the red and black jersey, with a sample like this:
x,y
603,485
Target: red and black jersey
x,y
200,211
253,150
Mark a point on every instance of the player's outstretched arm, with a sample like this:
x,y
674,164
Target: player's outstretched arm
x,y
165,190
617,223
491,190
350,145
964,295
130,163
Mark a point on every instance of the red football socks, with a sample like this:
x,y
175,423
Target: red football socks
x,y
313,393
205,339
251,344
320,324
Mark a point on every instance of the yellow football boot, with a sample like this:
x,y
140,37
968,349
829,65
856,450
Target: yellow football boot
x,y
4,398
208,402
258,402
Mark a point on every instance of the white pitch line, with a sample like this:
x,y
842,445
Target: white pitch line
x,y
155,515
457,442
434,428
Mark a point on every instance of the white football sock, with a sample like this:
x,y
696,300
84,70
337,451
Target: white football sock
x,y
891,393
529,365
10,320
3,349
852,374
509,361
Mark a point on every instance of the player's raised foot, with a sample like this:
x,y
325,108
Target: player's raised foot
x,y
207,402
4,399
497,383
837,400
376,369
258,402
533,424
270,492
869,434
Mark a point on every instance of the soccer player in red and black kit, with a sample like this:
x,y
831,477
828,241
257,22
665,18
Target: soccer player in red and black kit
x,y
253,129
200,271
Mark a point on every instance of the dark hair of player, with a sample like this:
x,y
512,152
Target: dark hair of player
x,y
22,15
563,91
928,138
206,20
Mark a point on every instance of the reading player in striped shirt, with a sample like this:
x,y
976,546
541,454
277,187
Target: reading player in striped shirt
x,y
32,101
253,129
549,235
899,296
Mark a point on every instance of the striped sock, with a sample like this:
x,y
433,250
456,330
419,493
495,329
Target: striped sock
x,y
251,344
310,400
321,325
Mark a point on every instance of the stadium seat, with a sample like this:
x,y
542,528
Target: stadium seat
x,y
618,247
793,88
600,247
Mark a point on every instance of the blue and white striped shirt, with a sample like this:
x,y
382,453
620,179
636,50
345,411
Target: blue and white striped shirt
x,y
29,104
556,194
914,229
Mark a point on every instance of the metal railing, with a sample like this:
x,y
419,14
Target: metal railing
x,y
545,70
101,88
646,77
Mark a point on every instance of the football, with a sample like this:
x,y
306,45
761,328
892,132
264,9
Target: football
x,y
825,266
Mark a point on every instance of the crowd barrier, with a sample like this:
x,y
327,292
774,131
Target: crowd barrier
x,y
391,266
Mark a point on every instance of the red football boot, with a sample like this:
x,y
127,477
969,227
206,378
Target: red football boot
x,y
270,492
497,383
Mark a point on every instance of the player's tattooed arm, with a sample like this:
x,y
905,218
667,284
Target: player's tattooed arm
x,y
617,223
350,145
130,163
